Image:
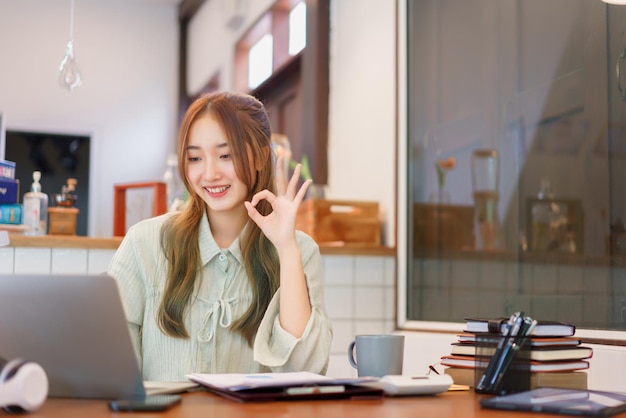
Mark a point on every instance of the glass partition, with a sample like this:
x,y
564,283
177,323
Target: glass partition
x,y
515,162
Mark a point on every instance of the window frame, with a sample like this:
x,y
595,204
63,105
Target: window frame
x,y
590,336
275,22
309,68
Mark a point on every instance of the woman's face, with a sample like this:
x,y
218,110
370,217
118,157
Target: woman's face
x,y
210,168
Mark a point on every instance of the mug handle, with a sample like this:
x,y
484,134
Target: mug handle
x,y
351,354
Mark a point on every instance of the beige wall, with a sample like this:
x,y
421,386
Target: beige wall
x,y
127,53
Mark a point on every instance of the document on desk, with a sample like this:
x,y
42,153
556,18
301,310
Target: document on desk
x,y
284,386
239,381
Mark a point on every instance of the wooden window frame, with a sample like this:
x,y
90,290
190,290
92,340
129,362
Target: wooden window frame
x,y
311,66
309,69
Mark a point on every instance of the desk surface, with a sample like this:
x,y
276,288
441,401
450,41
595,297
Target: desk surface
x,y
205,404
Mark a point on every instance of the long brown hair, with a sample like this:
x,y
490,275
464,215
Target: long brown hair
x,y
247,128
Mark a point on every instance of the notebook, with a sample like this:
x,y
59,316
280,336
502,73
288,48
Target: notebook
x,y
74,327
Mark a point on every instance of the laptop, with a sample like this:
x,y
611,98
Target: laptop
x,y
74,327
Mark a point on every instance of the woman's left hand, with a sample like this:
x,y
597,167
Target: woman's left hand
x,y
280,225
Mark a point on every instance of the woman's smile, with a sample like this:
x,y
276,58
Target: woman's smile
x,y
217,191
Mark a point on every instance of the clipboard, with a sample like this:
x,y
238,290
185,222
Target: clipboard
x,y
289,386
560,401
295,393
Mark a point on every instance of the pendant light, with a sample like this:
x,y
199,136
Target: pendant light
x,y
69,74
615,1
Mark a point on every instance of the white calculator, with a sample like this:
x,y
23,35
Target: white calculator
x,y
400,385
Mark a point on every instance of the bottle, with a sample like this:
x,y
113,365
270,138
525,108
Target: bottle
x,y
485,180
542,217
36,208
173,184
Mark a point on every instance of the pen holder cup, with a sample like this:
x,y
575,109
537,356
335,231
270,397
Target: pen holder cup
x,y
502,364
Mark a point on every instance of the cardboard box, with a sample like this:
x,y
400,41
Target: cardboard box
x,y
7,169
11,213
9,190
340,222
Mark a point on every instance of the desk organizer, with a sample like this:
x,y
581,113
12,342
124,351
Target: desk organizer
x,y
497,374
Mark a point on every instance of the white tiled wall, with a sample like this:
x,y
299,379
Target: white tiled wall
x,y
360,299
27,260
360,290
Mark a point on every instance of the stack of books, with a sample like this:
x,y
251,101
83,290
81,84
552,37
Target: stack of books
x,y
556,357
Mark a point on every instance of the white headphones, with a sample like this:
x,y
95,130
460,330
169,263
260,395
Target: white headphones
x,y
23,385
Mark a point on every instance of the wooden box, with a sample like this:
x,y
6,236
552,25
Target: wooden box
x,y
340,221
62,221
443,226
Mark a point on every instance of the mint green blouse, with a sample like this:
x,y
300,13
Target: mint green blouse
x,y
222,295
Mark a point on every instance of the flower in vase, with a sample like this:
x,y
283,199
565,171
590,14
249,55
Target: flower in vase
x,y
443,166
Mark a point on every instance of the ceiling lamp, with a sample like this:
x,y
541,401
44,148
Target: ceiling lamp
x,y
615,1
69,75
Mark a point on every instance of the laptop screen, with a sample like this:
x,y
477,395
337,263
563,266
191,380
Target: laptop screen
x,y
74,327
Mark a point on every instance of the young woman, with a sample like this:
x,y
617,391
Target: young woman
x,y
226,285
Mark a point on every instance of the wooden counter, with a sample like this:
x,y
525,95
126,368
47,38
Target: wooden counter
x,y
65,241
205,404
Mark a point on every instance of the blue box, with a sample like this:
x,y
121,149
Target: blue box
x,y
11,213
7,169
9,190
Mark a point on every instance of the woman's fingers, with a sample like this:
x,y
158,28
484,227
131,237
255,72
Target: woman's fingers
x,y
302,192
280,174
253,213
293,181
263,194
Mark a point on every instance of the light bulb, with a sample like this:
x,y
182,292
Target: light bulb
x,y
69,74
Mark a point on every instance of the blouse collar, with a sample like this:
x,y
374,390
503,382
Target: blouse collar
x,y
209,248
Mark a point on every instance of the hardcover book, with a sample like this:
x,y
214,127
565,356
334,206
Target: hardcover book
x,y
566,380
535,366
498,326
472,338
549,353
